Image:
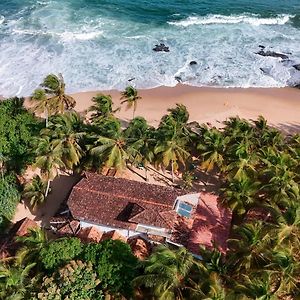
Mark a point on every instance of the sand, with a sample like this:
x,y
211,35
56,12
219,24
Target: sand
x,y
281,106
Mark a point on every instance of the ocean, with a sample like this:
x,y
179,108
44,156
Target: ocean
x,y
101,44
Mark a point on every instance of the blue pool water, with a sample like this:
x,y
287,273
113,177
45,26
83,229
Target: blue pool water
x,y
100,44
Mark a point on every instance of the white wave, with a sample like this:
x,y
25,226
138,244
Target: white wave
x,y
2,19
65,36
82,36
233,19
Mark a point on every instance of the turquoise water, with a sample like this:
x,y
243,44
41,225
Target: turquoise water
x,y
101,44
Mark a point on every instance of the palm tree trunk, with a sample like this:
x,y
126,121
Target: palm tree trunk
x,y
146,174
47,189
46,116
172,171
133,113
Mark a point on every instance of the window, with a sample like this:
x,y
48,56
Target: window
x,y
184,209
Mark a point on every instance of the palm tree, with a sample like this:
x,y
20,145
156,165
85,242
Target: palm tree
x,y
166,272
53,88
35,191
212,148
111,149
171,151
102,107
257,287
280,178
15,281
130,97
48,159
42,104
250,246
141,142
66,131
240,196
32,244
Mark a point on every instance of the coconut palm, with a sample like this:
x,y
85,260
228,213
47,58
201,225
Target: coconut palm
x,y
286,269
250,246
240,196
53,88
281,185
48,159
35,191
257,287
15,281
110,150
166,273
102,107
141,142
212,148
33,242
66,131
130,97
42,104
171,149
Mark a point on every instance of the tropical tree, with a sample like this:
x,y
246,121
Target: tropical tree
x,y
32,244
257,287
130,97
211,148
15,281
240,196
52,96
48,159
35,191
111,150
42,104
101,108
66,132
140,138
280,179
166,273
249,247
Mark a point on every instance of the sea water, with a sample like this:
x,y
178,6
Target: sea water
x,y
101,44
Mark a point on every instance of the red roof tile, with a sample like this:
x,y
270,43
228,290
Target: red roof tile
x,y
90,235
121,203
211,224
113,235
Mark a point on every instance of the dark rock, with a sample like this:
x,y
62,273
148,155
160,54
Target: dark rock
x,y
161,47
178,78
297,67
131,79
193,62
272,54
261,46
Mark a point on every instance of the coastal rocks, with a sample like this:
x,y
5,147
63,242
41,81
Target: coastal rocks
x,y
193,63
178,79
161,48
274,54
297,67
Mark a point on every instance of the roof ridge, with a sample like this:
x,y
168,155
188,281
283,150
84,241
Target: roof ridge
x,y
123,196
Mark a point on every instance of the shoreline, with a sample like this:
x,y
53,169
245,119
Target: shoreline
x,y
280,106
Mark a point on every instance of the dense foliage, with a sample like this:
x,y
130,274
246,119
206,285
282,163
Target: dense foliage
x,y
18,127
258,173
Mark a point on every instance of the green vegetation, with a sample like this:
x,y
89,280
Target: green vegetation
x,y
257,168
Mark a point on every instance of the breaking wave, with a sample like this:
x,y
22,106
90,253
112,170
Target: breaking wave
x,y
251,19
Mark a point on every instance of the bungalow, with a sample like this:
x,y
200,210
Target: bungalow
x,y
134,208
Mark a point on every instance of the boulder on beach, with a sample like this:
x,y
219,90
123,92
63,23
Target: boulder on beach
x,y
161,48
272,54
178,78
297,67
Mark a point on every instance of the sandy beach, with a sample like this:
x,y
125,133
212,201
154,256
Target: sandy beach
x,y
280,106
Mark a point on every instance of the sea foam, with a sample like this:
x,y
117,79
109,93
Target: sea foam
x,y
251,19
